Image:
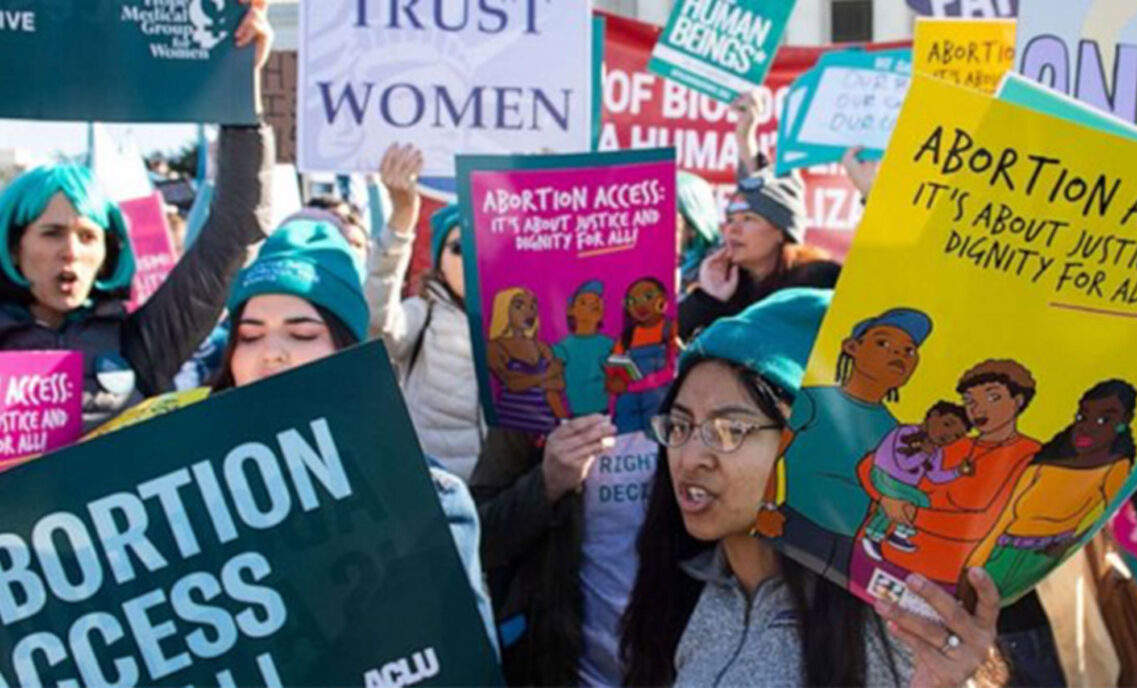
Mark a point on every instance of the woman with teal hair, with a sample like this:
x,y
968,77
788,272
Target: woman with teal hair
x,y
66,268
698,224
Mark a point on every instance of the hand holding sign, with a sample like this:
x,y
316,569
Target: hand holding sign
x,y
570,452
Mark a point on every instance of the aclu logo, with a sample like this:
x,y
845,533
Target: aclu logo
x,y
407,671
179,29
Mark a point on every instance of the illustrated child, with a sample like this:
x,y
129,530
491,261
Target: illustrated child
x,y
643,361
585,350
532,378
906,456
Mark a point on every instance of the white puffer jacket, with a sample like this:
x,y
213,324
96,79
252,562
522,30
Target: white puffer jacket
x,y
442,389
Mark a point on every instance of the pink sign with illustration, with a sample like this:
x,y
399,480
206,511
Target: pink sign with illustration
x,y
570,280
153,247
41,407
1125,528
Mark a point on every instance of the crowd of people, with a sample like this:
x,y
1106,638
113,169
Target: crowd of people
x,y
684,592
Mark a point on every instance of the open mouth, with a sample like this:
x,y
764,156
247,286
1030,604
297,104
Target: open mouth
x,y
694,498
68,281
982,421
529,322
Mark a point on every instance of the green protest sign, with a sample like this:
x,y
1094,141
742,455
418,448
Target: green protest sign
x,y
282,534
125,61
722,48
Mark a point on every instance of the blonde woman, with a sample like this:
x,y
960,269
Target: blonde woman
x,y
532,378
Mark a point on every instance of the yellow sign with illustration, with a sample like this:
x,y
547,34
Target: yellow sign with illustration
x,y
970,399
966,52
150,408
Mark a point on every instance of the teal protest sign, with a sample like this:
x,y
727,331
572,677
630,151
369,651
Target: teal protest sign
x,y
1019,90
849,99
722,48
124,61
255,538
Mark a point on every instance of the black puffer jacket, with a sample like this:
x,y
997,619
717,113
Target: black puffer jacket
x,y
128,357
531,552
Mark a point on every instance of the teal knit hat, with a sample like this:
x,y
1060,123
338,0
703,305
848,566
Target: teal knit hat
x,y
774,337
698,206
441,222
312,260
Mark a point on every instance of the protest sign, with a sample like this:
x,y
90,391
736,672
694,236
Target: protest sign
x,y
983,9
642,110
983,408
965,52
154,255
570,283
278,96
1125,529
1030,94
850,99
450,78
305,547
125,61
722,48
1086,49
42,404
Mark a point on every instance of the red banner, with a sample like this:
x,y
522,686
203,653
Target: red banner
x,y
642,110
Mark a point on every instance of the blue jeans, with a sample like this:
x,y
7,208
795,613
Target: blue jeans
x,y
1033,659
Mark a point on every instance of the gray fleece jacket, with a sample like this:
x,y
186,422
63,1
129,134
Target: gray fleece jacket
x,y
730,641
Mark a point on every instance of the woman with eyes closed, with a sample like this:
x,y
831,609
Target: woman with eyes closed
x,y
302,300
715,605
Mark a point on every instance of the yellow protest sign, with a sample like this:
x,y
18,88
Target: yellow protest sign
x,y
966,52
970,399
150,408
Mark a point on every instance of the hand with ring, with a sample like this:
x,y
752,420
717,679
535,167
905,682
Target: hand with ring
x,y
949,652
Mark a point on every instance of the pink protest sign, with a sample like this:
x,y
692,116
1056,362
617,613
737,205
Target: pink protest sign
x,y
41,403
570,279
153,248
1125,528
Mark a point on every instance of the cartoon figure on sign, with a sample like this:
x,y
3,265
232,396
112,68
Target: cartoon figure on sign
x,y
832,428
585,351
642,364
1066,488
908,455
532,378
961,512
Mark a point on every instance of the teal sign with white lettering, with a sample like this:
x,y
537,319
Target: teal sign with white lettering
x,y
282,534
722,48
125,61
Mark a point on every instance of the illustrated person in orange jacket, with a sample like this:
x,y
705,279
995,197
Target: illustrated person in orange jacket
x,y
962,512
1066,488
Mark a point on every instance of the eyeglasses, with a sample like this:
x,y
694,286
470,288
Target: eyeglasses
x,y
454,248
720,434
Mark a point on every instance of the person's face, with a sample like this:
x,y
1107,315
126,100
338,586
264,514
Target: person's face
x,y
523,312
587,311
278,332
1095,427
60,254
885,354
991,406
752,238
719,494
645,302
450,263
945,428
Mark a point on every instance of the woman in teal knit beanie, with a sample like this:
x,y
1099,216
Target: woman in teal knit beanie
x,y
300,300
699,224
713,602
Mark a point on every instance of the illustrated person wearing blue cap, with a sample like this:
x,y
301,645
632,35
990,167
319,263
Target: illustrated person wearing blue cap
x,y
585,350
832,428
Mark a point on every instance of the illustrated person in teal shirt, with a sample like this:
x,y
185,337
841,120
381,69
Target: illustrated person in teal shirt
x,y
585,350
832,428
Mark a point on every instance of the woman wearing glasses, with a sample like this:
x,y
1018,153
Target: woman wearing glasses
x,y
427,335
715,605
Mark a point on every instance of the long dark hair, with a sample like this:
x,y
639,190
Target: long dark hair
x,y
832,623
342,338
1062,446
435,276
629,324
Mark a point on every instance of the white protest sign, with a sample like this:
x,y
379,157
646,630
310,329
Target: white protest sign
x,y
854,107
451,77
